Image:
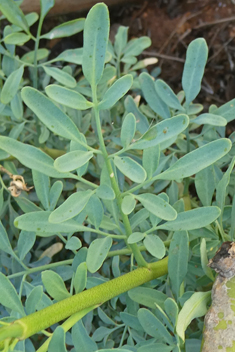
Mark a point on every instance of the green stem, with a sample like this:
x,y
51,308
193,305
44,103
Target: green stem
x,y
36,46
187,180
33,323
124,251
138,256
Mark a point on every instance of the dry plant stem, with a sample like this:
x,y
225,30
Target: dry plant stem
x,y
163,56
222,20
33,323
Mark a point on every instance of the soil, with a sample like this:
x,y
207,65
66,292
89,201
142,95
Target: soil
x,y
172,25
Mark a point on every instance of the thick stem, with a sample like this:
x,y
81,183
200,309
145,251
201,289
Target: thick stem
x,y
71,321
219,328
33,323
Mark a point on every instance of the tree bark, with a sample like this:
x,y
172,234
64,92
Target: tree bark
x,y
219,329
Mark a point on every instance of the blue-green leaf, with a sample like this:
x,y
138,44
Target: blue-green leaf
x,y
29,57
80,277
42,187
128,204
31,157
11,85
142,124
153,326
194,307
82,341
33,299
167,95
128,129
14,14
95,211
72,160
135,46
204,260
197,160
65,29
73,244
26,205
131,320
38,222
97,253
227,110
162,132
9,297
194,66
60,76
68,97
209,119
178,260
136,237
171,309
71,207
16,38
147,297
71,55
25,243
54,118
221,188
205,183
192,219
130,168
96,35
151,158
155,246
57,342
105,192
17,106
120,40
54,285
157,206
116,92
46,5
152,97
4,240
55,193
154,347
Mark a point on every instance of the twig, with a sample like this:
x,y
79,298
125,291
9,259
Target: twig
x,y
221,48
138,13
163,56
215,35
222,20
184,19
180,39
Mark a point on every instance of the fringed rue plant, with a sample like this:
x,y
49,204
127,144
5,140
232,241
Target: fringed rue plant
x,y
133,192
